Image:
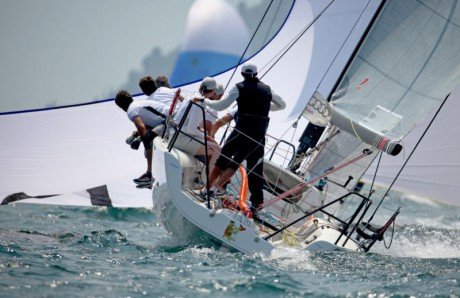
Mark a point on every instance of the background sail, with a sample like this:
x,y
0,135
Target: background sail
x,y
215,36
71,52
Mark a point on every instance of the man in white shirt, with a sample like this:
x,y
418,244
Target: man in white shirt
x,y
145,114
211,114
192,141
163,94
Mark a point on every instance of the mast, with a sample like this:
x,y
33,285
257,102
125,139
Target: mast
x,y
312,133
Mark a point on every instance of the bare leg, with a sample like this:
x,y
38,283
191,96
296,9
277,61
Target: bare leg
x,y
207,126
213,154
215,173
149,160
226,175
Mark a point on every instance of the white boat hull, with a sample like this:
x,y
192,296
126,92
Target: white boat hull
x,y
175,169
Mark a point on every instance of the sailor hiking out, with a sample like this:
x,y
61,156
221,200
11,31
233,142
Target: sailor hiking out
x,y
157,90
148,116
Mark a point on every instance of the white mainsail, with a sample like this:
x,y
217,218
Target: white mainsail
x,y
434,169
404,69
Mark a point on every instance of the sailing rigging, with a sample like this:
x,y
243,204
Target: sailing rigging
x,y
370,109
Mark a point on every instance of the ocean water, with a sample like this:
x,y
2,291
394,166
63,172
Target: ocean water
x,y
51,251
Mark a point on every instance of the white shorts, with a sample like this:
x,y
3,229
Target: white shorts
x,y
188,144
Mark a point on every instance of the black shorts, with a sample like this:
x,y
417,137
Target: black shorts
x,y
237,148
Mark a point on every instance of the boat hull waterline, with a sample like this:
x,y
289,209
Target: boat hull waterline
x,y
231,228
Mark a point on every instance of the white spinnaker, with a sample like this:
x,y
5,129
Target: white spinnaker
x,y
67,151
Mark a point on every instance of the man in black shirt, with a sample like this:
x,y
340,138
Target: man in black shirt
x,y
255,99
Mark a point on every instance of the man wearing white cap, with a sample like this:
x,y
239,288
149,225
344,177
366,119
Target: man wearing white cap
x,y
247,141
211,114
188,143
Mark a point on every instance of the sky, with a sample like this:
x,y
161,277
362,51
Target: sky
x,y
62,52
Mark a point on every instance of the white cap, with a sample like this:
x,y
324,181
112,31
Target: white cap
x,y
208,84
249,67
219,90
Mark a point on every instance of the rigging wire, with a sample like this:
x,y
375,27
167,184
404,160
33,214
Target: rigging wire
x,y
343,44
270,29
249,43
241,58
408,158
285,158
281,51
292,43
357,47
375,175
284,50
297,39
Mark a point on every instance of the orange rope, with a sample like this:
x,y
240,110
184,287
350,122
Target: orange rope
x,y
174,102
242,202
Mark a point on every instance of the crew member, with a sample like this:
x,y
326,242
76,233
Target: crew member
x,y
193,142
145,114
211,114
254,99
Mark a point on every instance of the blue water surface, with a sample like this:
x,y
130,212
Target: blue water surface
x,y
50,251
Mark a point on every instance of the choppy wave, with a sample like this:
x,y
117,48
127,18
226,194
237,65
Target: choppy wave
x,y
57,251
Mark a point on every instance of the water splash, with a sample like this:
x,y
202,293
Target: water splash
x,y
425,242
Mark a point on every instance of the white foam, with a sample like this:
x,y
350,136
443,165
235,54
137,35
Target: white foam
x,y
435,244
291,259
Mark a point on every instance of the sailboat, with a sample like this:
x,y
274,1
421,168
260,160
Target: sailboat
x,y
384,66
70,152
403,67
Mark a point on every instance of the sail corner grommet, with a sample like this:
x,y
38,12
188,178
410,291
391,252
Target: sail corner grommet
x,y
212,213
